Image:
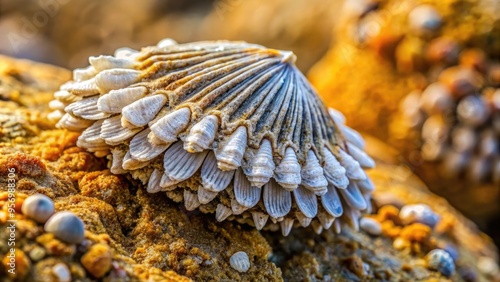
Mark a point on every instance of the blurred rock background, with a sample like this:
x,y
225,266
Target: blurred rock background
x,y
389,59
67,32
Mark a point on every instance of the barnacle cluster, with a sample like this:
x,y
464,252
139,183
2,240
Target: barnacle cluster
x,y
226,127
454,109
457,116
441,61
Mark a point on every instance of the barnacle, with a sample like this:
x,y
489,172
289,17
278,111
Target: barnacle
x,y
227,127
457,117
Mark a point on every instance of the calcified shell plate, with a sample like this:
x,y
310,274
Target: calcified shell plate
x,y
226,127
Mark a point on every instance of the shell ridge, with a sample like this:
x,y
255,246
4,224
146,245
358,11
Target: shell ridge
x,y
306,201
209,93
236,110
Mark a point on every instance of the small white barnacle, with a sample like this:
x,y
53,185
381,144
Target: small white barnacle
x,y
202,134
231,152
287,174
262,166
38,207
240,261
115,79
236,126
313,177
142,111
441,261
66,226
167,128
420,213
425,19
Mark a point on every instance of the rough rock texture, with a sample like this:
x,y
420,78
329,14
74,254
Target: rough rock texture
x,y
378,49
151,237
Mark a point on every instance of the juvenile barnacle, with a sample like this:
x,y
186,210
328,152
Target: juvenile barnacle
x,y
231,127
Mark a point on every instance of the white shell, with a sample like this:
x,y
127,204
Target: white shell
x,y
86,109
277,200
91,138
240,261
117,162
125,52
351,216
424,19
142,150
312,175
166,129
38,207
205,196
237,208
287,174
317,227
337,227
73,123
191,201
142,111
103,62
130,163
441,261
331,202
179,165
154,181
82,88
114,133
286,226
65,97
353,197
108,80
335,173
214,179
202,134
303,220
236,123
55,115
421,213
245,193
352,167
259,219
57,104
84,73
366,186
262,167
326,220
230,155
353,136
116,100
166,43
66,226
360,156
222,212
337,116
307,201
370,226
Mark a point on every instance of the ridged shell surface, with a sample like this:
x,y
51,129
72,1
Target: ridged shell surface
x,y
228,127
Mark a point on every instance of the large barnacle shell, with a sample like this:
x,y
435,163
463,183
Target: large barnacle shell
x,y
238,121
